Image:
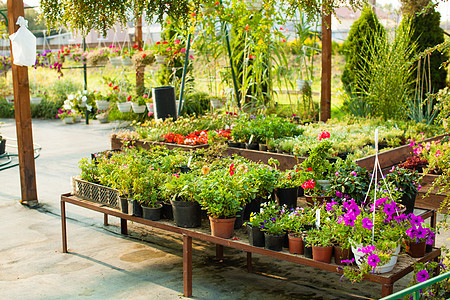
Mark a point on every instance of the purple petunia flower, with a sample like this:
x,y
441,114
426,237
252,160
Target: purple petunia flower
x,y
422,276
330,205
339,194
373,260
367,249
367,223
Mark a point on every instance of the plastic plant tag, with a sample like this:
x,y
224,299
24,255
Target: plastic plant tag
x,y
250,140
23,44
318,218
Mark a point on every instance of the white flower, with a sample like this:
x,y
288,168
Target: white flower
x,y
88,107
67,106
70,97
85,92
84,98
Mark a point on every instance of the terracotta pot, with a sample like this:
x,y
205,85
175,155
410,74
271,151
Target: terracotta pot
x,y
322,254
310,200
416,249
223,228
295,244
341,254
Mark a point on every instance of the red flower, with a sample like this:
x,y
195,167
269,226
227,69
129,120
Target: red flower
x,y
135,46
247,28
309,169
116,87
193,14
217,3
308,185
177,41
323,135
231,170
165,42
284,40
128,98
144,55
158,43
110,84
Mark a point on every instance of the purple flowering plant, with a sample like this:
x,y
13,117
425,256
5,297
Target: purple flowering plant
x,y
416,230
405,179
425,271
270,218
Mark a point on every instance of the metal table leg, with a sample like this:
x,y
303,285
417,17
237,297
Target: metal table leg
x,y
187,265
123,226
105,219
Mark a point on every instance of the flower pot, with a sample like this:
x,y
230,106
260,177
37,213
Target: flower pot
x,y
102,104
134,208
408,202
152,213
252,206
35,100
68,120
252,146
301,192
166,211
160,59
77,119
150,107
186,214
115,61
379,269
273,241
239,219
123,205
223,228
2,146
102,119
253,5
287,196
216,103
138,109
234,144
311,200
325,184
10,98
308,252
262,147
341,254
416,250
124,107
127,62
322,254
255,236
295,244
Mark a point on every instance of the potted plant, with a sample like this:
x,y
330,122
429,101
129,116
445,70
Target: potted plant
x,y
161,50
321,240
181,190
139,104
124,104
102,117
102,102
67,116
417,235
273,228
295,223
36,96
115,55
408,183
98,56
255,235
286,186
143,58
146,191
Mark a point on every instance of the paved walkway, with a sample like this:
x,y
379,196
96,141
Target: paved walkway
x,y
102,264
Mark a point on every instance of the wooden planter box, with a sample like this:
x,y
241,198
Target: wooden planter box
x,y
117,143
434,199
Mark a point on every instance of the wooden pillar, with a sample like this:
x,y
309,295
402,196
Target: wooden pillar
x,y
325,94
23,116
139,70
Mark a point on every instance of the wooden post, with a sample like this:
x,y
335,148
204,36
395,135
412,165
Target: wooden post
x,y
187,266
325,95
139,70
23,116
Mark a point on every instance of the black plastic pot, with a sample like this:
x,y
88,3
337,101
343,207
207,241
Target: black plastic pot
x,y
2,146
166,211
308,252
273,241
300,192
164,101
285,241
186,214
234,144
184,169
123,205
239,219
152,213
409,202
262,147
255,236
134,208
253,146
253,206
287,196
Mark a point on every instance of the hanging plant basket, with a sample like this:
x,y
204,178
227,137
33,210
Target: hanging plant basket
x,y
115,61
35,100
124,107
102,104
253,5
138,109
127,62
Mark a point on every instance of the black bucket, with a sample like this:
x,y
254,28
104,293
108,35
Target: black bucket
x,y
164,101
186,214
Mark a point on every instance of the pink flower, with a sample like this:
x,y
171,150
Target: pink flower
x,y
169,49
182,50
191,56
412,143
231,169
150,113
367,223
428,146
177,41
438,153
417,151
309,184
373,260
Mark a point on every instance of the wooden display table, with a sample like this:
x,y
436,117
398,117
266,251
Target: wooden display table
x,y
387,280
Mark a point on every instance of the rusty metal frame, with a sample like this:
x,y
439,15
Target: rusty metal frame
x,y
386,280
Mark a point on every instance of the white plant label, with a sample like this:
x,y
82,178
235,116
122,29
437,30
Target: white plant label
x,y
318,218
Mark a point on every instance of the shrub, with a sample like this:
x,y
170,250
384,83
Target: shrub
x,y
361,37
6,109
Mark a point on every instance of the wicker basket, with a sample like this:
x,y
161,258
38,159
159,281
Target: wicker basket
x,y
95,192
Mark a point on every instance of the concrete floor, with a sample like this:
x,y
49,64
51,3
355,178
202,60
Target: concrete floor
x,y
102,264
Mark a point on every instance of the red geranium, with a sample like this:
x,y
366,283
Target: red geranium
x,y
323,135
309,184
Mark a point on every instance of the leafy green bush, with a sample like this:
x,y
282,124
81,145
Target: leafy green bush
x,y
62,88
6,109
196,104
361,37
47,109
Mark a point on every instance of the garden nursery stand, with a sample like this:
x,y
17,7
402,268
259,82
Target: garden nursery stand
x,y
387,280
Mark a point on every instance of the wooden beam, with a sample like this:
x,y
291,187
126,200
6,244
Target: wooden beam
x,y
23,116
325,95
139,70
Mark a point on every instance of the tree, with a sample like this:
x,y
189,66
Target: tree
x,y
360,39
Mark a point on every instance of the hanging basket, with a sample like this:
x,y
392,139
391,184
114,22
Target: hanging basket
x,y
35,100
387,267
115,61
102,104
127,62
138,109
161,59
124,107
253,5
